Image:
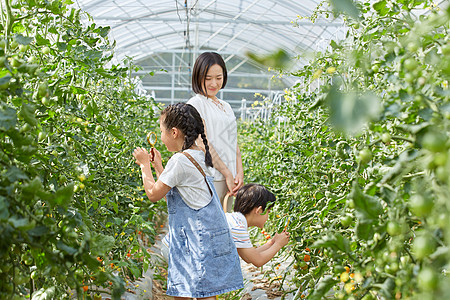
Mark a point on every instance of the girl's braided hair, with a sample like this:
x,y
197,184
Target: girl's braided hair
x,y
186,118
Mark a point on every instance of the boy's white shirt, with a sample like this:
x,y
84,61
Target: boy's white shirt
x,y
239,229
181,173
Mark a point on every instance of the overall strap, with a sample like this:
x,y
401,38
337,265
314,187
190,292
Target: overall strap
x,y
198,168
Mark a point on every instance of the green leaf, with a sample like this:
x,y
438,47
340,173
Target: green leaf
x,y
38,231
8,117
4,212
346,7
381,7
24,40
15,174
64,194
44,294
66,248
4,81
368,207
32,187
61,46
104,73
28,114
104,31
350,111
324,285
364,229
115,132
101,244
335,241
22,223
40,41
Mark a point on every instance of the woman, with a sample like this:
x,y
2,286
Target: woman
x,y
209,76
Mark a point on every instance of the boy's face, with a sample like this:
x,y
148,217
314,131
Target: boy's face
x,y
261,217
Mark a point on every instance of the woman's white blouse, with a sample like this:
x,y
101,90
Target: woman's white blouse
x,y
221,129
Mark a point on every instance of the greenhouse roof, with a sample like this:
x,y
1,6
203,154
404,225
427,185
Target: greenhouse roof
x,y
145,27
168,36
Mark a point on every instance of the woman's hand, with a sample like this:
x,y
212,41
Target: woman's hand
x,y
142,157
230,183
238,181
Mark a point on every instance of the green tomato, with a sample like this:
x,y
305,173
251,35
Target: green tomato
x,y
45,101
41,136
409,78
446,49
412,47
62,178
423,246
2,60
32,59
14,45
375,68
26,127
23,48
410,64
393,228
346,220
365,155
434,141
2,44
34,275
16,63
46,50
42,89
421,206
427,279
386,137
350,203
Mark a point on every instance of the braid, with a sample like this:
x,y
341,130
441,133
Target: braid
x,y
208,158
187,119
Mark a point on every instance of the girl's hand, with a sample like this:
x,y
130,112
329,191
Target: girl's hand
x,y
155,158
238,181
141,156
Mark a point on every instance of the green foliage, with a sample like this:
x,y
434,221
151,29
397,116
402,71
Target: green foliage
x,y
71,201
361,165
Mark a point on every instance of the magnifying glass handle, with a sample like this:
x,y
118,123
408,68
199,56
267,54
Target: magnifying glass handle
x,y
153,154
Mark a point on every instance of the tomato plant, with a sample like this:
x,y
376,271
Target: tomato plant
x,y
71,201
360,163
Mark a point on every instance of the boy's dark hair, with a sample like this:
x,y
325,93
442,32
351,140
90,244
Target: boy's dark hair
x,y
187,119
201,67
253,195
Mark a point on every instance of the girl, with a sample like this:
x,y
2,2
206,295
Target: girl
x,y
209,76
203,261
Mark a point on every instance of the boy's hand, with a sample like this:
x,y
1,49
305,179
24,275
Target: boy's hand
x,y
281,238
141,156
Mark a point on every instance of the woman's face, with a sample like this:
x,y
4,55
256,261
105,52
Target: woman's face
x,y
213,81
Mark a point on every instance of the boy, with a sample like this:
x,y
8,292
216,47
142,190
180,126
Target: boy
x,y
250,210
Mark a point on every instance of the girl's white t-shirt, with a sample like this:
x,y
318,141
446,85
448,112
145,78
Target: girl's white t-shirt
x,y
221,130
180,172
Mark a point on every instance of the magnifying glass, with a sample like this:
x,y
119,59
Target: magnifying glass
x,y
151,139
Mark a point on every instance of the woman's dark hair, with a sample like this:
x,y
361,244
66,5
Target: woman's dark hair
x,y
201,67
186,118
253,195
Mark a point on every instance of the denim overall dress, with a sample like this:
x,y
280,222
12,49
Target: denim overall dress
x,y
203,260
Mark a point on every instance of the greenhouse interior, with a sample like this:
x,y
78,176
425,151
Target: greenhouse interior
x,y
241,149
